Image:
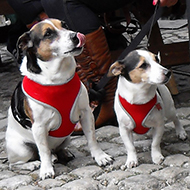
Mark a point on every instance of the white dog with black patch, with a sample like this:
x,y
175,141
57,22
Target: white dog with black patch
x,y
50,100
142,102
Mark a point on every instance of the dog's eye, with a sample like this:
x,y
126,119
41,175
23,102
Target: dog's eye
x,y
64,25
48,33
144,65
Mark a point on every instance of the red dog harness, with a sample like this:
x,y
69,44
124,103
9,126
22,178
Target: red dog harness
x,y
60,97
139,112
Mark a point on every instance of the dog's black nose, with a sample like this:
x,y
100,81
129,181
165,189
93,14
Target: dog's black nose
x,y
74,38
168,73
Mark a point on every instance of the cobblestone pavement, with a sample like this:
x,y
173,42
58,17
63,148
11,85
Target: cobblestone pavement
x,y
83,173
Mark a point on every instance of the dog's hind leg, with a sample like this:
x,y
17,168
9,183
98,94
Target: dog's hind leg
x,y
170,111
18,152
180,131
16,146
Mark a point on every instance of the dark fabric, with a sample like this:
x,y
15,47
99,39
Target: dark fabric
x,y
101,6
79,15
27,10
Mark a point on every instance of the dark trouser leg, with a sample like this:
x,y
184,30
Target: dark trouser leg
x,y
26,10
77,16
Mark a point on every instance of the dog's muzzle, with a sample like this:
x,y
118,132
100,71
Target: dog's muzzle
x,y
78,39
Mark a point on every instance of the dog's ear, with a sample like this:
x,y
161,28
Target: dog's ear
x,y
22,45
158,58
115,69
24,42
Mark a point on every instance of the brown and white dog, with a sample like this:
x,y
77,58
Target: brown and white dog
x,y
50,100
142,101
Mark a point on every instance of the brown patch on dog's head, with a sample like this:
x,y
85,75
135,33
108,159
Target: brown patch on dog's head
x,y
42,35
138,74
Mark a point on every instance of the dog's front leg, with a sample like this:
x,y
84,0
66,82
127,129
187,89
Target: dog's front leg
x,y
89,130
127,138
40,135
156,154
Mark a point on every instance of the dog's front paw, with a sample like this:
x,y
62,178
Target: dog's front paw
x,y
103,159
182,135
157,158
131,163
46,172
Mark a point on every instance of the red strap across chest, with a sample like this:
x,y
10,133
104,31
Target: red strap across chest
x,y
61,97
138,113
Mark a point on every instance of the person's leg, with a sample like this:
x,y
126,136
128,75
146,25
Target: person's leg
x,y
81,15
26,10
77,16
102,6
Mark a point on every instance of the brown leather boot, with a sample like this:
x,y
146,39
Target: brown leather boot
x,y
92,64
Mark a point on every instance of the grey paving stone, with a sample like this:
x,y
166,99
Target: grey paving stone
x,y
2,136
112,179
6,174
146,168
65,178
29,187
3,123
50,183
176,160
30,166
176,187
15,182
2,116
3,167
87,171
183,111
187,181
181,147
140,182
171,174
81,184
61,169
